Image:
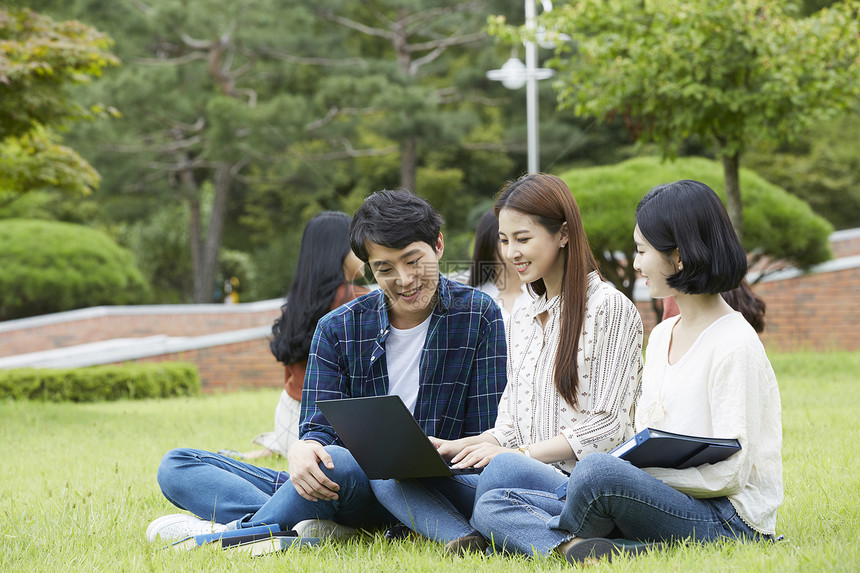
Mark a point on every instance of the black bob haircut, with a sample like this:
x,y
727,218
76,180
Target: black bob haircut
x,y
393,219
689,216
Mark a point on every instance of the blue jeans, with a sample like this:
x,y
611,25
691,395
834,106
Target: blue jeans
x,y
515,501
437,508
224,490
606,497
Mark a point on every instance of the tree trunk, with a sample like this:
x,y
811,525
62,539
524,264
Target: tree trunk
x,y
409,164
731,174
409,145
206,272
195,244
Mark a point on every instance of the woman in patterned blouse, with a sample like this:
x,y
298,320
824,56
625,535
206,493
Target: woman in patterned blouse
x,y
574,366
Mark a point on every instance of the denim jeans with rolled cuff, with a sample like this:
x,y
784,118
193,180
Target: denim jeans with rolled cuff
x,y
606,497
229,491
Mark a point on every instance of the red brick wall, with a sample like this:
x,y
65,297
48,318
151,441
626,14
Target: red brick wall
x,y
131,325
808,312
846,247
649,317
232,367
818,312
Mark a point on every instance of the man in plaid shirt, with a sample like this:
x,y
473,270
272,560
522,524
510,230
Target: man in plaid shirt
x,y
437,344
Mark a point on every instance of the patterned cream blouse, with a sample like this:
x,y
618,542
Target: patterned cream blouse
x,y
609,362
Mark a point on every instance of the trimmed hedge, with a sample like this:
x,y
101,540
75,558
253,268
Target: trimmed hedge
x,y
98,383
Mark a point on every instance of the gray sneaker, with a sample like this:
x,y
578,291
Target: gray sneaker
x,y
324,529
179,526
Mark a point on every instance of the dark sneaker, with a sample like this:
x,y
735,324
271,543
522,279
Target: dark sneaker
x,y
600,548
396,532
474,542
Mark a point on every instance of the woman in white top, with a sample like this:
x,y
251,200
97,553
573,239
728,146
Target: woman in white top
x,y
493,275
574,366
706,374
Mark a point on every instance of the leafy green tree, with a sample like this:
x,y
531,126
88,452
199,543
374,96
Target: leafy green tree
x,y
203,102
302,110
819,168
416,36
35,160
215,93
811,6
160,244
52,267
40,59
726,71
410,112
780,227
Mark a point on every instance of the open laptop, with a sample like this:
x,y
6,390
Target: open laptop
x,y
385,439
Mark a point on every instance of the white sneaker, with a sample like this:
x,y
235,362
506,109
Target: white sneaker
x,y
324,528
179,526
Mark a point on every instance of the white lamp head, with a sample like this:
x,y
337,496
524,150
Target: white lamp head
x,y
512,74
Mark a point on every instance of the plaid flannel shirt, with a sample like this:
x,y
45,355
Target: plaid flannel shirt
x,y
461,371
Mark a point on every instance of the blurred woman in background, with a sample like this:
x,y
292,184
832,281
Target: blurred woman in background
x,y
322,282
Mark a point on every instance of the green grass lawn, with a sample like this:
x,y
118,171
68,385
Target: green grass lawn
x,y
77,487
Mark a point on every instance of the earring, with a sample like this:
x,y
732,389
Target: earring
x,y
680,267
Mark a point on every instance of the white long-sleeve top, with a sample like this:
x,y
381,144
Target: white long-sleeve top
x,y
609,363
723,387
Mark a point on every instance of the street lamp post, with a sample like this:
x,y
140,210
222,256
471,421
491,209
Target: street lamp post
x,y
513,75
531,89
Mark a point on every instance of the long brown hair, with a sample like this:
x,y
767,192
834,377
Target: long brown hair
x,y
549,201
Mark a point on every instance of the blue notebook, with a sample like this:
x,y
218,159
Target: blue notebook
x,y
203,539
652,448
272,544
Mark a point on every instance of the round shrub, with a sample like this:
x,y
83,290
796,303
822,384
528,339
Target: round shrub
x,y
46,266
776,223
